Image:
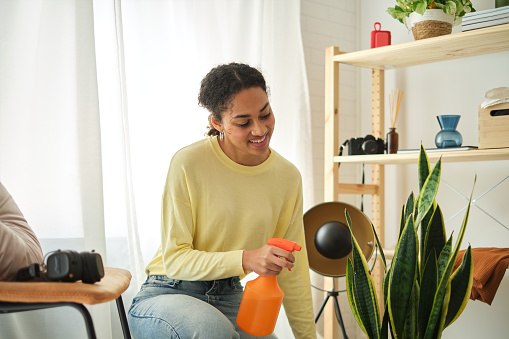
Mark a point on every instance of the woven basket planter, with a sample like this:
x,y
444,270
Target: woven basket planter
x,y
433,23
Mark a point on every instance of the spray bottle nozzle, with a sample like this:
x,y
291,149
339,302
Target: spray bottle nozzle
x,y
284,244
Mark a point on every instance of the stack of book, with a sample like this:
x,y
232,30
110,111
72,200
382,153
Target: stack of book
x,y
486,18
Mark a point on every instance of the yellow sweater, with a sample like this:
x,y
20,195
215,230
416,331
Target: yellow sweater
x,y
214,208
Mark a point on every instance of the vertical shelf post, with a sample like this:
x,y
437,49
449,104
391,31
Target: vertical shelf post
x,y
331,147
378,172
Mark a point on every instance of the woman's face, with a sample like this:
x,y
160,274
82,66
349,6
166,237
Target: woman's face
x,y
248,127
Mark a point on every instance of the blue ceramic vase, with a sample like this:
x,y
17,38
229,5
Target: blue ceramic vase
x,y
448,136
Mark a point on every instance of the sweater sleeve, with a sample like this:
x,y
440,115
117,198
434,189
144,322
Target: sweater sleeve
x,y
181,260
19,246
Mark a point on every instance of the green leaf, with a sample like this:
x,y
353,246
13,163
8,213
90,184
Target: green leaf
x,y
429,283
461,285
411,328
384,332
379,246
350,293
428,192
364,293
403,275
422,167
443,312
450,7
386,280
443,258
424,232
408,209
420,7
435,317
435,237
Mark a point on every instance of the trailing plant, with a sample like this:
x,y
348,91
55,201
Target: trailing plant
x,y
421,293
403,8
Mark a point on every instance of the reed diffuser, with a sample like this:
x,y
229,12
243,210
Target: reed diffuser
x,y
392,136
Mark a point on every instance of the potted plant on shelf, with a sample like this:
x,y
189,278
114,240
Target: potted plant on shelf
x,y
421,293
430,18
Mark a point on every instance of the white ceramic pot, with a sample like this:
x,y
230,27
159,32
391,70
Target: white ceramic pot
x,y
429,14
433,23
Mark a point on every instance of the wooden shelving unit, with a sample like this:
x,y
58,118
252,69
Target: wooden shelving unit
x,y
411,158
449,47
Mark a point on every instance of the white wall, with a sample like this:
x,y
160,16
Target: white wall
x,y
452,87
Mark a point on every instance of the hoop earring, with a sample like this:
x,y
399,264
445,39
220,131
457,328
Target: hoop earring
x,y
221,135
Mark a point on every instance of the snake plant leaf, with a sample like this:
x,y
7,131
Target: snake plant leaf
x,y
403,275
443,258
409,206
364,292
384,331
411,328
407,211
349,293
424,229
386,317
429,283
461,285
423,167
386,280
435,237
436,319
443,312
379,246
428,192
436,311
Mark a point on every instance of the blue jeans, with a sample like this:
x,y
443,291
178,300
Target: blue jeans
x,y
170,308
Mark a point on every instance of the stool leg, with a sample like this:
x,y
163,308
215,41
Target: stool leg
x,y
123,319
88,319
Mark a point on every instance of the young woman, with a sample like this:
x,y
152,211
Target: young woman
x,y
19,246
224,197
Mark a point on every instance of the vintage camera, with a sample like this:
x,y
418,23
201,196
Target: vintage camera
x,y
66,266
367,145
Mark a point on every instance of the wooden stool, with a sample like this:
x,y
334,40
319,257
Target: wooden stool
x,y
28,296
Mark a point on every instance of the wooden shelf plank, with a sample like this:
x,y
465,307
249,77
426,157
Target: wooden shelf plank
x,y
357,188
447,47
411,158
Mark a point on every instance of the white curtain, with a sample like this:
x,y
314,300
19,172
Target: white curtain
x,y
96,96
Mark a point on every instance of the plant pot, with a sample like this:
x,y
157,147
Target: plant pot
x,y
433,23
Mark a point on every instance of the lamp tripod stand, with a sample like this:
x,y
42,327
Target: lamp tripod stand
x,y
328,242
333,294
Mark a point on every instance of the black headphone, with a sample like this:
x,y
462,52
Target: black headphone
x,y
66,266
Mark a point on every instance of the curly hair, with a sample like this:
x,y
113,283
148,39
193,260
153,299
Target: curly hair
x,y
222,83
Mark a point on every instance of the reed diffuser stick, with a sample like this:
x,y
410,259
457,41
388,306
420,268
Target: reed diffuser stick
x,y
394,113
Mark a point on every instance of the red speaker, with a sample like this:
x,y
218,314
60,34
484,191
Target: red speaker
x,y
380,38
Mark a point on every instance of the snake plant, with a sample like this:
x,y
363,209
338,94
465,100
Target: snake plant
x,y
421,293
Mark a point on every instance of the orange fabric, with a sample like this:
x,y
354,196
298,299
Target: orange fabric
x,y
490,264
111,286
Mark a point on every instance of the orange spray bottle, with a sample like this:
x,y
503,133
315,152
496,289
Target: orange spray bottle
x,y
262,298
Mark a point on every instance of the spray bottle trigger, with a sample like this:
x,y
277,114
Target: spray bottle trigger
x,y
284,244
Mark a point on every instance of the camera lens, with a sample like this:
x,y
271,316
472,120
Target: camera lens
x,y
370,147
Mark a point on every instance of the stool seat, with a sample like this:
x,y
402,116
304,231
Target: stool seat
x,y
25,296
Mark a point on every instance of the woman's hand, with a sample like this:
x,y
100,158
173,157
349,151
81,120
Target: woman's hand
x,y
267,260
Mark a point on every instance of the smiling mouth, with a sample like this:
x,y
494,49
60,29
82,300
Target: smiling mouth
x,y
259,140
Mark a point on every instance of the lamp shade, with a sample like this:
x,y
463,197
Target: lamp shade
x,y
328,238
